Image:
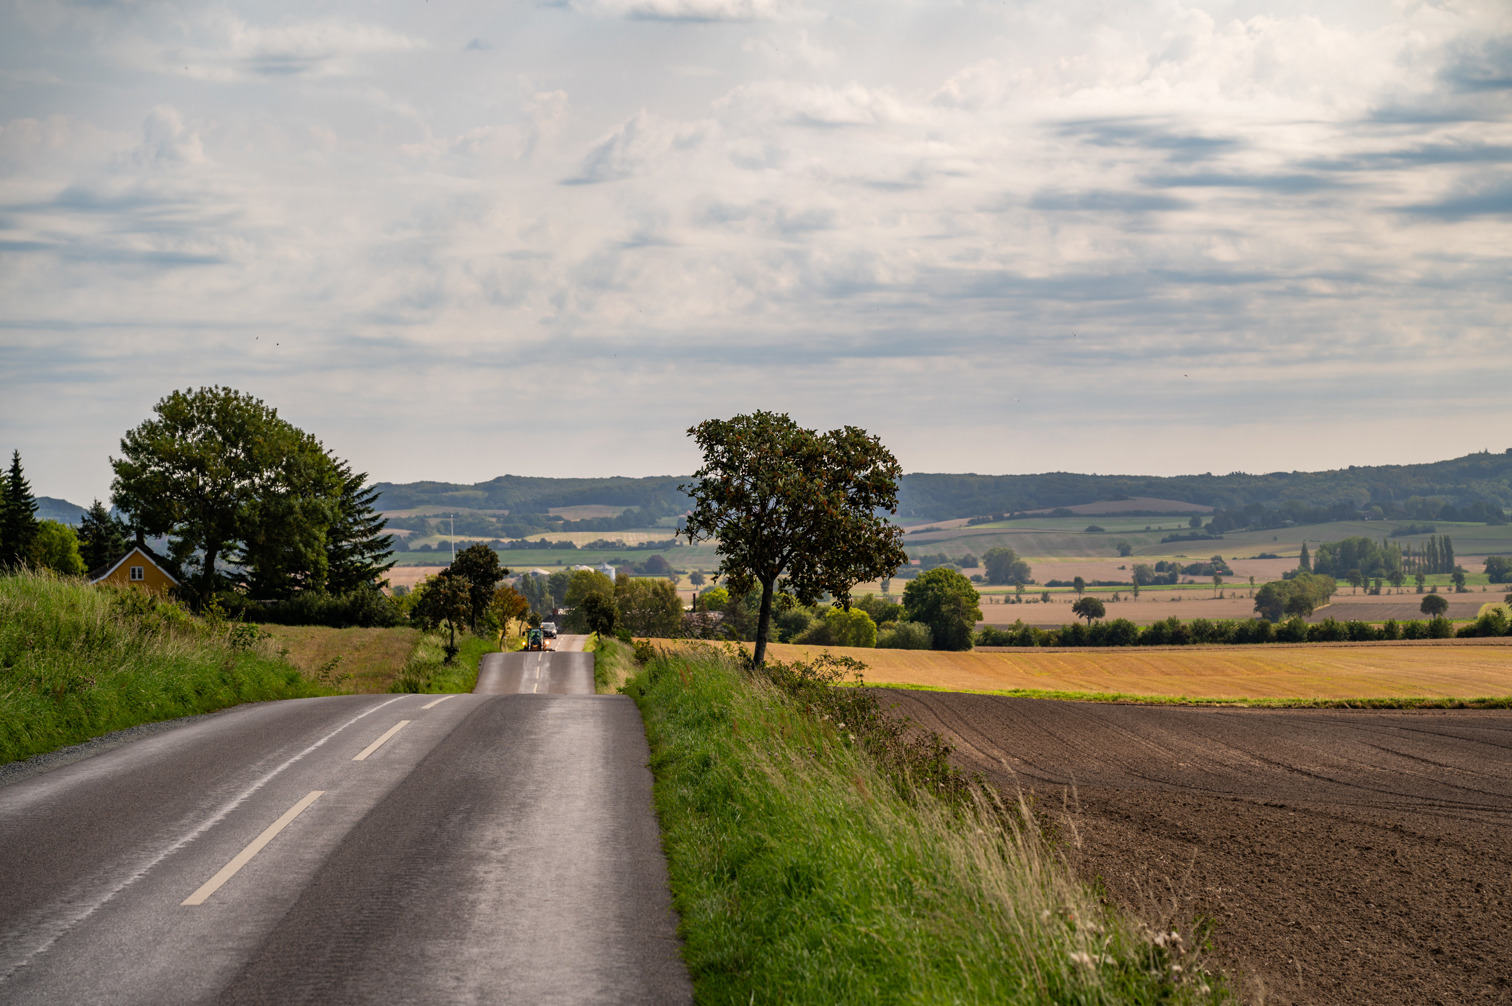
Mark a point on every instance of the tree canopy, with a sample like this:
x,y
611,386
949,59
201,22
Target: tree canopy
x,y
1005,566
219,472
945,601
1434,605
790,504
1089,608
478,566
102,537
1299,596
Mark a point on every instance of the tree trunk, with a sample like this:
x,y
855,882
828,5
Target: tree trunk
x,y
207,571
763,622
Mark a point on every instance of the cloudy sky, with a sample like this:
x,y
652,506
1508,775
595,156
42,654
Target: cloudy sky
x,y
455,240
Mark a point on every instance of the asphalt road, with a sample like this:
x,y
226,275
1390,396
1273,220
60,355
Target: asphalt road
x,y
398,849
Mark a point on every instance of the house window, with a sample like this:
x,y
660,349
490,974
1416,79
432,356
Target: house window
x,y
136,573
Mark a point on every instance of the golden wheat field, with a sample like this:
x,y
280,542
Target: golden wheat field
x,y
1448,669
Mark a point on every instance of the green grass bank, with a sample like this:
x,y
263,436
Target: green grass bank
x,y
78,661
812,861
427,672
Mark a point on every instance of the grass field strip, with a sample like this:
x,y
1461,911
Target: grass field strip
x,y
244,857
391,731
47,931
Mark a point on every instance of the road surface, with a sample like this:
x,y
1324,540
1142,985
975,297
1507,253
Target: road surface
x,y
484,848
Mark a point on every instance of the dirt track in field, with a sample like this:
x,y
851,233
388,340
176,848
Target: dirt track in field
x,y
1347,856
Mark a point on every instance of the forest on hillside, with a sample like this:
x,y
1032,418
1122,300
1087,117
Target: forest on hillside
x,y
1476,484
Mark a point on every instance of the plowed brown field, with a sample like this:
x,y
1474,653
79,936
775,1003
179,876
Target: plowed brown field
x,y
1347,856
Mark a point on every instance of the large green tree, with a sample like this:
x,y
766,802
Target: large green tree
x,y
790,504
18,516
57,548
358,549
1004,566
945,601
1434,606
479,567
228,480
648,606
197,470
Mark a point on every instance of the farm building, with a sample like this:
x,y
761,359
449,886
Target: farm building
x,y
139,567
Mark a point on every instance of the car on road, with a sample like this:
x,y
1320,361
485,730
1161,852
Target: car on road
x,y
549,630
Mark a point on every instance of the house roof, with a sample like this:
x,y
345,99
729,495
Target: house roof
x,y
95,576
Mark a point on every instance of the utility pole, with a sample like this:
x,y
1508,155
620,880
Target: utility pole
x,y
453,535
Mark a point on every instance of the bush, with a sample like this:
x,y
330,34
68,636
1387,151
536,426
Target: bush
x,y
905,636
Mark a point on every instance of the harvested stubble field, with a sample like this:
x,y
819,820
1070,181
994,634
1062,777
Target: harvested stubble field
x,y
1345,855
1440,669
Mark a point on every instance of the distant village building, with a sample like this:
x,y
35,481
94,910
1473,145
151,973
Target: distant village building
x,y
139,567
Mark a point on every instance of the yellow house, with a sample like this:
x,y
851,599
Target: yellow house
x,y
139,567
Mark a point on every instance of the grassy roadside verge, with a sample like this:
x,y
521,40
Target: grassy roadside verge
x,y
427,672
807,868
78,661
1488,702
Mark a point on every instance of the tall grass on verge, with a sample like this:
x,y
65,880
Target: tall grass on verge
x,y
427,671
78,661
821,855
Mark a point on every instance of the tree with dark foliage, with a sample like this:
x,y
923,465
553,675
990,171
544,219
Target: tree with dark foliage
x,y
794,505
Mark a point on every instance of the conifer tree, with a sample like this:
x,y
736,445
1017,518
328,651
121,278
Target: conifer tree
x,y
357,548
18,517
1304,561
102,537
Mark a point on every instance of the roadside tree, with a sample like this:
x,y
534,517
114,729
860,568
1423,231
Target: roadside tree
x,y
598,614
508,605
443,600
648,606
478,566
585,583
790,504
1079,585
945,601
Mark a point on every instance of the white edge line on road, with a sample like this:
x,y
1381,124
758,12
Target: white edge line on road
x,y
391,731
56,929
442,699
244,857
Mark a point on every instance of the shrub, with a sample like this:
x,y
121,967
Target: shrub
x,y
905,636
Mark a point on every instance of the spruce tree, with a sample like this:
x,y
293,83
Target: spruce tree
x,y
102,537
358,550
18,517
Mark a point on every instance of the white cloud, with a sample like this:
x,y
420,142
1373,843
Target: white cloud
x,y
885,213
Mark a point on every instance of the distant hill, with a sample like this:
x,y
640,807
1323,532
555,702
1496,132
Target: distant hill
x,y
51,508
1474,479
